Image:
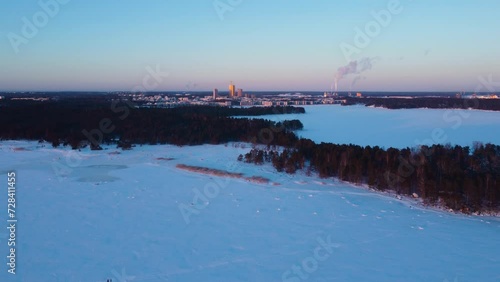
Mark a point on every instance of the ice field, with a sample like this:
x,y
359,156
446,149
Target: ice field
x,y
365,126
134,216
92,216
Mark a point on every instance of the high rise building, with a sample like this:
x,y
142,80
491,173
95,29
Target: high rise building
x,y
240,92
232,90
216,93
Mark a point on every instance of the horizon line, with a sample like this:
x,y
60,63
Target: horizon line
x,y
250,91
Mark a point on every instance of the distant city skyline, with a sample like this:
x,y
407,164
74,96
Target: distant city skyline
x,y
390,45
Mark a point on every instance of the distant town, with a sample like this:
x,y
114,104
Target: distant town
x,y
238,97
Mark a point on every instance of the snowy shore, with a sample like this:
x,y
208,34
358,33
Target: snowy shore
x,y
97,215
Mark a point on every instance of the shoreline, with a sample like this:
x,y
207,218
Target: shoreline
x,y
33,146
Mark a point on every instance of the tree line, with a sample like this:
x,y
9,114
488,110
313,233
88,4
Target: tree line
x,y
427,102
461,178
92,122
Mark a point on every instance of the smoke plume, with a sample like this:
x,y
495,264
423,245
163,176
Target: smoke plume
x,y
354,67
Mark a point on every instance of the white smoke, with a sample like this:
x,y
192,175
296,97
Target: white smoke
x,y
355,67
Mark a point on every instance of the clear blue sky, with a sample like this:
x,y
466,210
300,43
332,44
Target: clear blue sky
x,y
259,44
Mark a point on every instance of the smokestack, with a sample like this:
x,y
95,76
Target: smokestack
x,y
336,85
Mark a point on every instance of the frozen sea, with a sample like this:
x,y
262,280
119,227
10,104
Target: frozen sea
x,y
134,216
371,126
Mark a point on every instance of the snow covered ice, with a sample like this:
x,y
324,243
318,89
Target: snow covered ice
x,y
134,216
367,126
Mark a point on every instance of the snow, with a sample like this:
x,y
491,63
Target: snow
x,y
92,216
365,126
